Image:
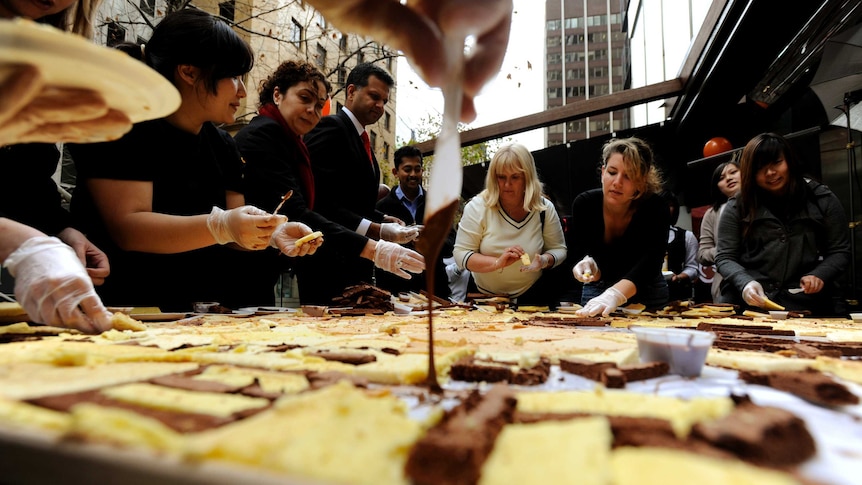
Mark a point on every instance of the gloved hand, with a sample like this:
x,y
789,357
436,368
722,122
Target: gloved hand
x,y
285,236
398,259
394,232
753,294
247,226
604,303
586,270
54,288
536,264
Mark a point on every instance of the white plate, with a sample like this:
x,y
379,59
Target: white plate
x,y
69,60
569,309
235,313
158,317
267,310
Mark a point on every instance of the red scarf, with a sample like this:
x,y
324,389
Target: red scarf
x,y
304,162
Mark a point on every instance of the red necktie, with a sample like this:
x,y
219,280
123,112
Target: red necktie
x,y
367,143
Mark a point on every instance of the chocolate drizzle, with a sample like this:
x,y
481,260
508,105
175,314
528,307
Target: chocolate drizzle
x,y
437,227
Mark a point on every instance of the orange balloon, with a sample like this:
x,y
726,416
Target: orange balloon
x,y
717,145
327,107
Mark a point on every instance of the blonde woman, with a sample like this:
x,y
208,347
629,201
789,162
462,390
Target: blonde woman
x,y
621,232
508,220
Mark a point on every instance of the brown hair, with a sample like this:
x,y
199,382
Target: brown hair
x,y
287,74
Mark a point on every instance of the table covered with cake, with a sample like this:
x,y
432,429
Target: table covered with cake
x,y
528,396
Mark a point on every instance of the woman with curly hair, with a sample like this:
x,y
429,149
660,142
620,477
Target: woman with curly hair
x,y
277,161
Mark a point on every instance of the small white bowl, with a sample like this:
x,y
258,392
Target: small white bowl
x,y
856,317
777,315
683,350
402,309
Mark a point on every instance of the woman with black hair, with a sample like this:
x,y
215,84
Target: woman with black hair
x,y
783,236
165,199
725,184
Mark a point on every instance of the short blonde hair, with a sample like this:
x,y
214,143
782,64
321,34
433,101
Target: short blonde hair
x,y
639,163
514,157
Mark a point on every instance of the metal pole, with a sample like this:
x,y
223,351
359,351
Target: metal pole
x,y
852,224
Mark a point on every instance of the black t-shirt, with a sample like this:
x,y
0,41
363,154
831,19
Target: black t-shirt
x,y
29,194
190,174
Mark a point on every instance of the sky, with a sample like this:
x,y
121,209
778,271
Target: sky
x,y
516,91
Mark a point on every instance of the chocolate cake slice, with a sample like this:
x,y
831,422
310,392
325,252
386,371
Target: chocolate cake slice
x,y
453,451
472,369
762,435
811,385
612,375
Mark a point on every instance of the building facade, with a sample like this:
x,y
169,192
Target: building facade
x,y
586,56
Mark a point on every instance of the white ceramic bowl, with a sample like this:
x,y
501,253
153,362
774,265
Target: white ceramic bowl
x,y
683,350
856,317
778,315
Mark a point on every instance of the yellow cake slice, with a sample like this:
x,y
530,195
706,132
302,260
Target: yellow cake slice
x,y
664,466
338,434
572,451
681,414
755,361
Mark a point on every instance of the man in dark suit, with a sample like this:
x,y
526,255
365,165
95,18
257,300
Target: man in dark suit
x,y
346,182
407,202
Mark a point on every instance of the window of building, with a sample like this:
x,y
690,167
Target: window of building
x,y
553,24
555,93
148,7
385,151
227,9
360,57
574,74
321,57
553,41
295,32
372,138
116,34
574,39
554,76
387,121
320,20
342,75
342,44
389,63
554,58
574,23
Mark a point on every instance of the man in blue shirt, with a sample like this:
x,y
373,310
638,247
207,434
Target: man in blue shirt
x,y
406,201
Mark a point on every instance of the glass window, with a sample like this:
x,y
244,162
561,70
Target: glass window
x,y
116,34
321,57
227,9
295,32
148,7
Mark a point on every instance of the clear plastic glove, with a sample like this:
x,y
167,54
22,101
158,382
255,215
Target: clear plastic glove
x,y
536,264
604,303
285,236
398,259
586,271
247,226
397,233
753,294
54,288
